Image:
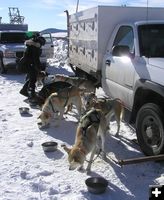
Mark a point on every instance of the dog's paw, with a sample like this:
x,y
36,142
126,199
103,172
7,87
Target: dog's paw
x,y
81,169
88,172
41,127
103,154
117,135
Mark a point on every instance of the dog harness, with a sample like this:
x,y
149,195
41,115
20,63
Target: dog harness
x,y
52,105
66,97
88,119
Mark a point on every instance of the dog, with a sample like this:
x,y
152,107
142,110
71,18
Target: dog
x,y
90,131
48,89
40,77
80,82
109,107
57,102
44,78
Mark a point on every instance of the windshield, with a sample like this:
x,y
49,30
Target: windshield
x,y
151,40
13,37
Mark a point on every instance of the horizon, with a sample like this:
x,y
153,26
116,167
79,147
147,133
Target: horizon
x,y
43,14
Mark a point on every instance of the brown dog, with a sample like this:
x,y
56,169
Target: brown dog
x,y
91,129
80,82
57,102
109,107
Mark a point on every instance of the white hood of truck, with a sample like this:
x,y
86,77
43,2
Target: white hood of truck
x,y
14,47
156,62
155,70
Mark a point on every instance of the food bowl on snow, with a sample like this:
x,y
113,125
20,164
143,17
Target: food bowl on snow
x,y
49,146
24,110
96,185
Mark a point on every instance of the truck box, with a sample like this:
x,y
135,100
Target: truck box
x,y
20,27
90,30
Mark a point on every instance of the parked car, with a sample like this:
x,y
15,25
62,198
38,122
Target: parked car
x,y
12,48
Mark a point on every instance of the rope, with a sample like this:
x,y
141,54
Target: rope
x,y
98,155
95,157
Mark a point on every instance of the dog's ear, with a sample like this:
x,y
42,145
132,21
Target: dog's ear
x,y
66,148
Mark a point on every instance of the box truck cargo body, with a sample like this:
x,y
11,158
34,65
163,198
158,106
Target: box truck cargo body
x,y
90,31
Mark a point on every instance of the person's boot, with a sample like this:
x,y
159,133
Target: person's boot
x,y
24,90
32,96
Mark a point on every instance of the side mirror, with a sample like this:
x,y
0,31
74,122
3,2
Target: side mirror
x,y
120,50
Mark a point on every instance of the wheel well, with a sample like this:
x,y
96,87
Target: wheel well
x,y
143,96
79,72
1,54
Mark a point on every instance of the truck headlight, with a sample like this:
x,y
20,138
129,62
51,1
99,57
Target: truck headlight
x,y
9,54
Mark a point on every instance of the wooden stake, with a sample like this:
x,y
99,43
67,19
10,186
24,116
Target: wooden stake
x,y
141,159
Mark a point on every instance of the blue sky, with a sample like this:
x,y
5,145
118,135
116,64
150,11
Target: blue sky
x,y
42,14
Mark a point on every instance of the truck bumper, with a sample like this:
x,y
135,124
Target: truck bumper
x,y
9,61
12,62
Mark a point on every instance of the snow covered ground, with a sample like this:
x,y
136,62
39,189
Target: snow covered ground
x,y
27,173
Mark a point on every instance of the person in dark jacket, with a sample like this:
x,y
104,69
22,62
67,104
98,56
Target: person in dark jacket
x,y
33,66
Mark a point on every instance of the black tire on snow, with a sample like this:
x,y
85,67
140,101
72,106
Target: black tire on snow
x,y
150,129
2,69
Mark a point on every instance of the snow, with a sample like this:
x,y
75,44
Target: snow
x,y
27,173
59,35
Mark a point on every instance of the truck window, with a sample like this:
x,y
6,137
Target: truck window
x,y
125,37
151,40
12,37
47,37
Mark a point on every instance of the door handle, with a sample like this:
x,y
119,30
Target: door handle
x,y
108,62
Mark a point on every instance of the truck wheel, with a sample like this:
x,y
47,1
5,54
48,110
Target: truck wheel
x,y
2,68
150,129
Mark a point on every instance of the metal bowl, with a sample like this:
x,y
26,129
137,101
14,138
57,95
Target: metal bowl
x,y
96,185
49,146
24,110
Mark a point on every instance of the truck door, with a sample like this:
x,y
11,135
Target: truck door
x,y
48,48
119,70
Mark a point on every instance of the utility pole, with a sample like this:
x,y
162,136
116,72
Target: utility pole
x,y
77,6
15,17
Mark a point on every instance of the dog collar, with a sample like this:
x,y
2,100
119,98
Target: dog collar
x,y
90,118
51,105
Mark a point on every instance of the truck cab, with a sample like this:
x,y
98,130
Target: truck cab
x,y
133,72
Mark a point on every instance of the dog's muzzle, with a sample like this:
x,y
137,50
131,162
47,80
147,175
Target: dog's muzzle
x,y
42,126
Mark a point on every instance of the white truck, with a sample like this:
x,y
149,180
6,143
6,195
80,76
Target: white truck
x,y
123,49
12,48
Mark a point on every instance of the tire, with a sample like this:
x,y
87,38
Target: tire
x,y
2,68
150,129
